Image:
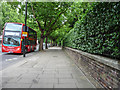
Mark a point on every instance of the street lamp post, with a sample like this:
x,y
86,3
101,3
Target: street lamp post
x,y
24,51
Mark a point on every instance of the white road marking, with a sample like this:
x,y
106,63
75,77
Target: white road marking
x,y
11,59
8,59
14,58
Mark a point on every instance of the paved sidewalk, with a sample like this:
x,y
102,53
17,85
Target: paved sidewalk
x,y
51,68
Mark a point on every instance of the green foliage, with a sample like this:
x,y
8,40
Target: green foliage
x,y
10,14
97,31
69,18
48,14
76,11
59,33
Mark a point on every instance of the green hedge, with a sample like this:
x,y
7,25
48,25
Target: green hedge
x,y
98,31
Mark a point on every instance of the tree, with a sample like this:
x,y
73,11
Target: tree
x,y
47,16
75,12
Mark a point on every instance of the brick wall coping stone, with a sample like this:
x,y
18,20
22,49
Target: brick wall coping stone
x,y
107,61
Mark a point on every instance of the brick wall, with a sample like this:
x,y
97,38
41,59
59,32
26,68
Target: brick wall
x,y
101,71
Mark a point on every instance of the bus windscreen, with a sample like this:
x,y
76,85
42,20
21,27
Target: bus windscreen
x,y
11,41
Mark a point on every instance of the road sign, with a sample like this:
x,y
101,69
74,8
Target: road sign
x,y
24,34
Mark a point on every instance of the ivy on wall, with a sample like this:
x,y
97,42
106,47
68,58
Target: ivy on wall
x,y
98,32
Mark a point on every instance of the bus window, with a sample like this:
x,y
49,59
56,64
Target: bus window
x,y
13,27
24,29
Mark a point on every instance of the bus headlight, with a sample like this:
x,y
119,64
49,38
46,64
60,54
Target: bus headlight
x,y
18,49
4,48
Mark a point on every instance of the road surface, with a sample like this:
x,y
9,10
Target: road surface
x,y
7,59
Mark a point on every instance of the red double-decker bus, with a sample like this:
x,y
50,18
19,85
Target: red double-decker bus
x,y
12,40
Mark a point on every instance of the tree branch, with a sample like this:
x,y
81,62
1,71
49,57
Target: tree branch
x,y
55,22
36,19
52,17
49,22
48,33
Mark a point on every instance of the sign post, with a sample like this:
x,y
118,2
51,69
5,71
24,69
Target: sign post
x,y
24,33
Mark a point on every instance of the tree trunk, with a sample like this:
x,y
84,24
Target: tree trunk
x,y
41,44
46,47
51,43
56,43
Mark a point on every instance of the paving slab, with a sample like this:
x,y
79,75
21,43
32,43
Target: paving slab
x,y
67,81
48,81
68,85
16,85
51,68
42,85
